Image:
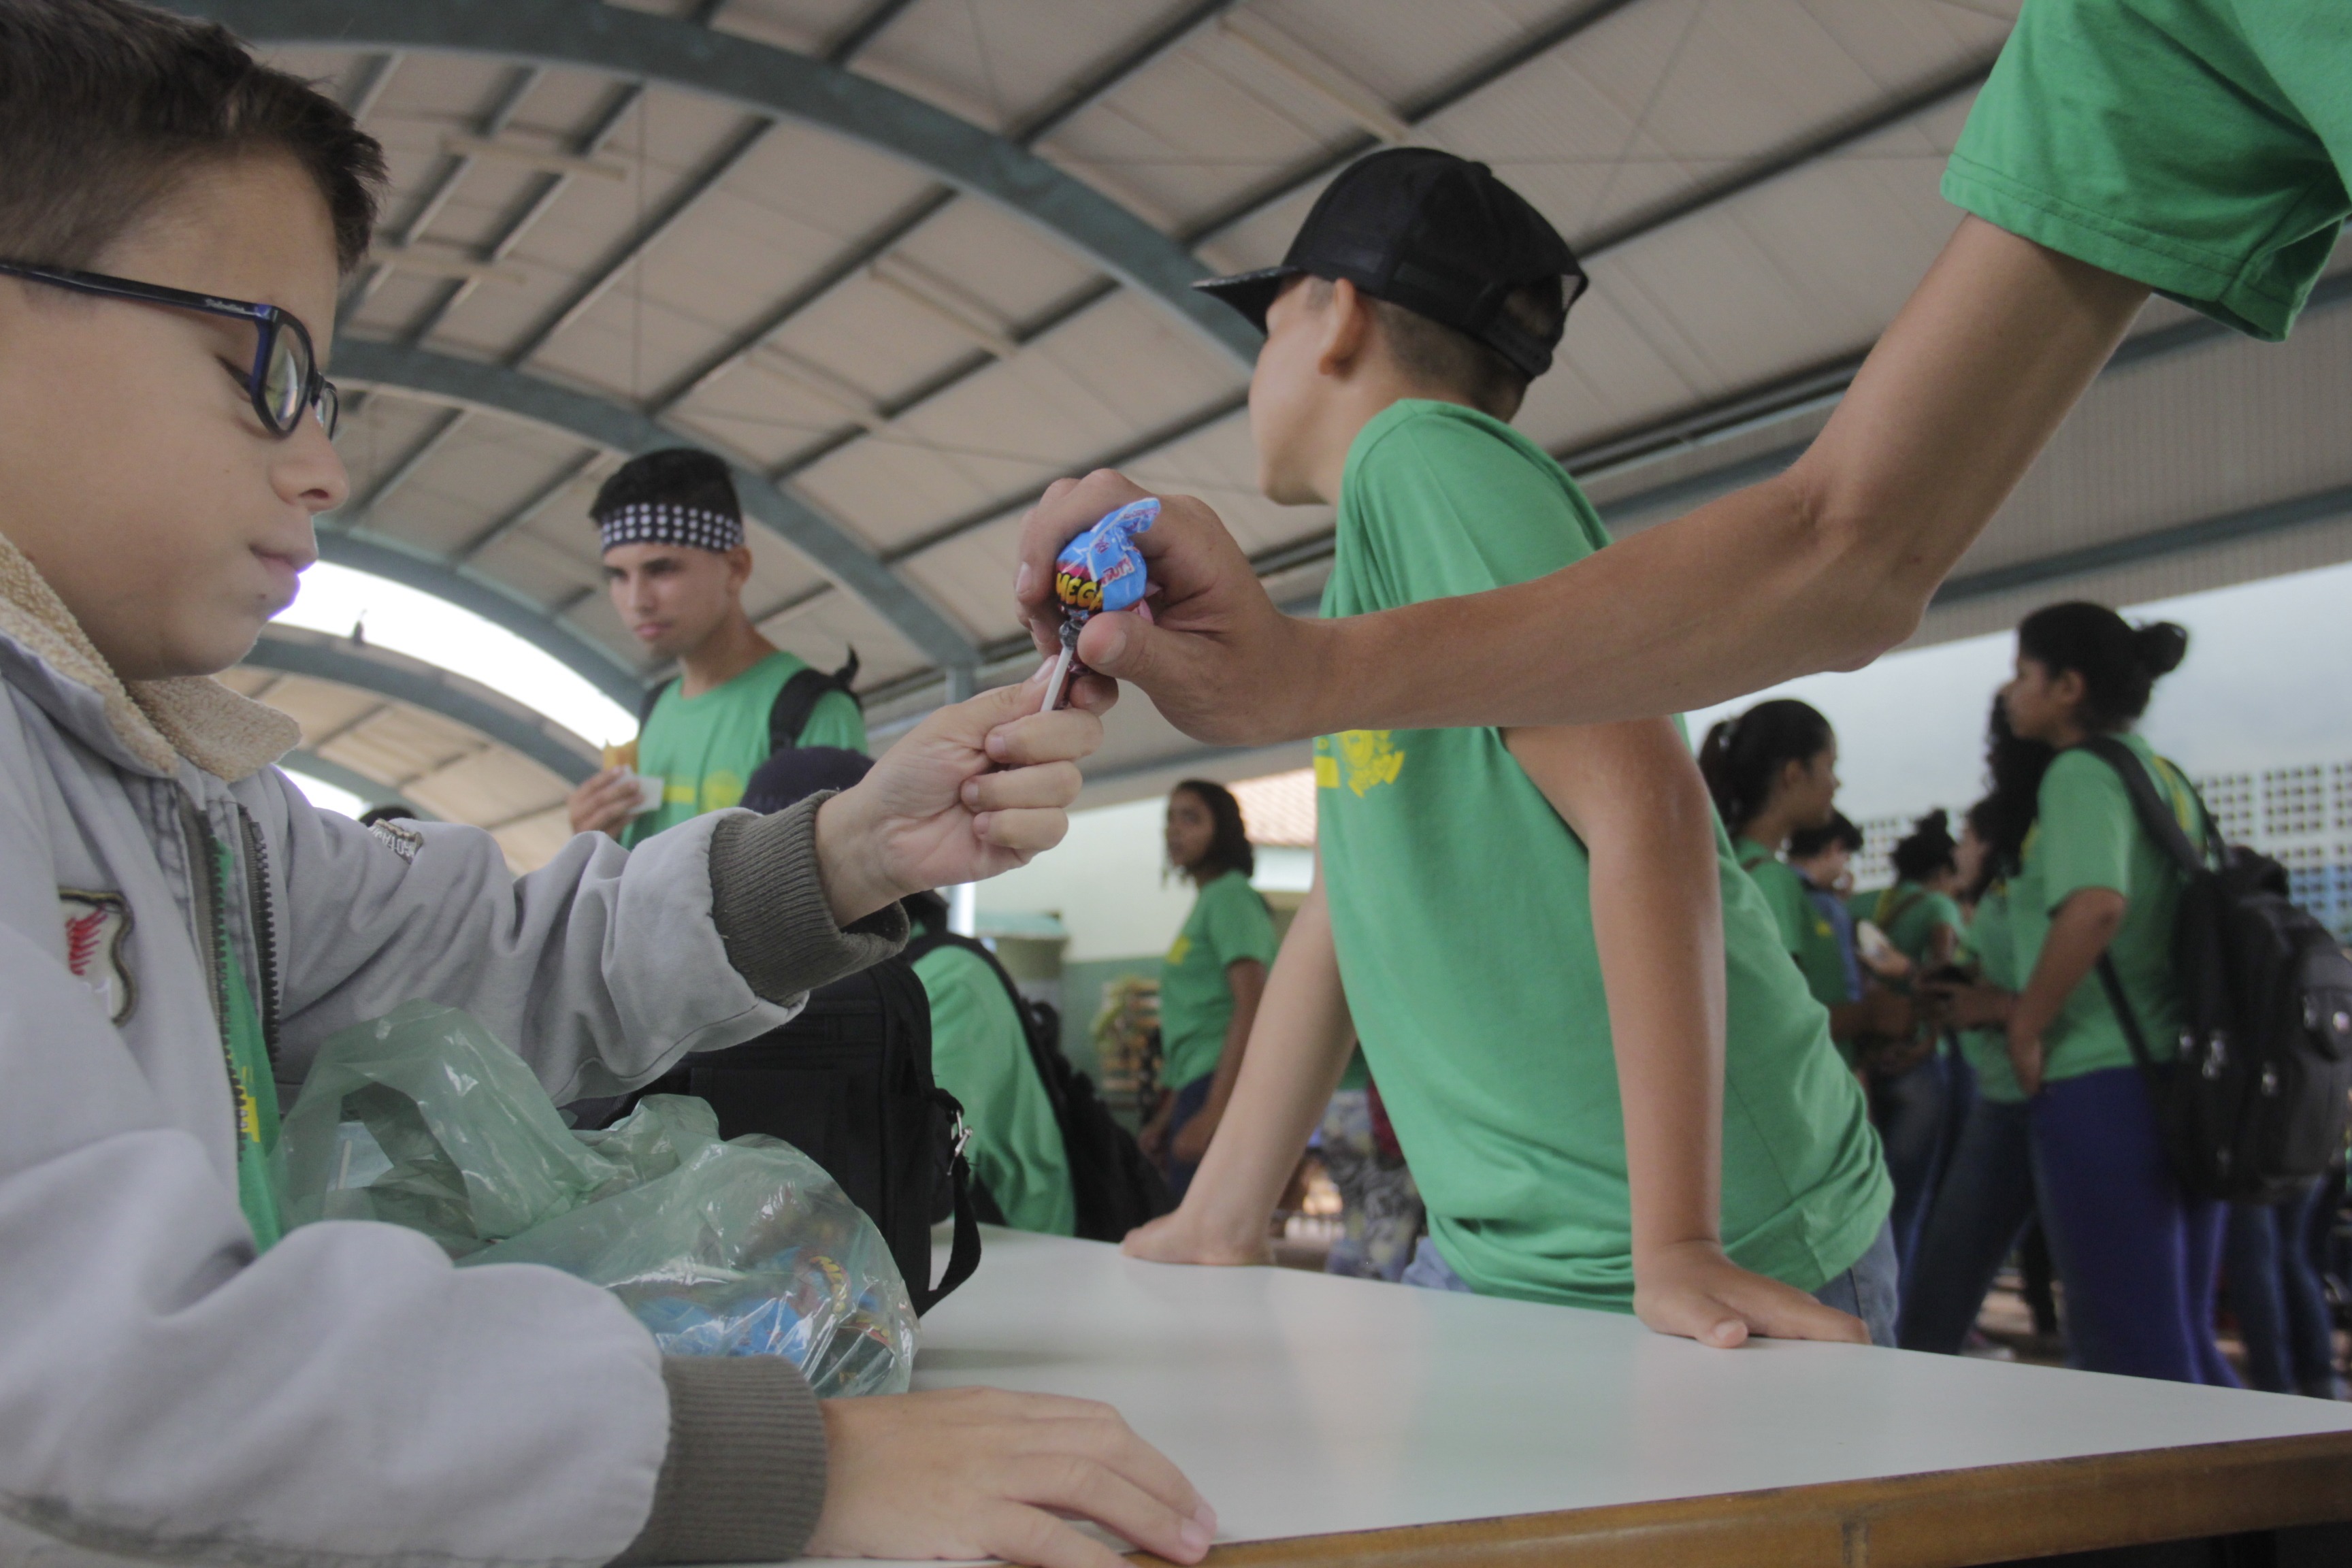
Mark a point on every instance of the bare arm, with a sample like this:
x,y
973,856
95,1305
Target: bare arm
x,y
1247,978
1297,1054
1824,567
2079,934
1633,794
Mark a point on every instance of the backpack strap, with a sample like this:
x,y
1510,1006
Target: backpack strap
x,y
796,703
2129,1017
1884,918
651,699
963,1249
931,942
2154,814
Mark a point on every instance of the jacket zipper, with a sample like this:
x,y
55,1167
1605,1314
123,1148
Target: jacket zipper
x,y
264,929
213,939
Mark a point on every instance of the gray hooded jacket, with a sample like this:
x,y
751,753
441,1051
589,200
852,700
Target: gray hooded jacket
x,y
347,1396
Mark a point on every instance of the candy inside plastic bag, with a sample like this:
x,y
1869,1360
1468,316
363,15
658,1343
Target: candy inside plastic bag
x,y
741,1247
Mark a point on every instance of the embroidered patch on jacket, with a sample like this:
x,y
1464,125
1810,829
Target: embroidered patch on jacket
x,y
96,924
398,837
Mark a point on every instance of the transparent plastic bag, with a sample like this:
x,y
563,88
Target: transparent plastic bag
x,y
743,1247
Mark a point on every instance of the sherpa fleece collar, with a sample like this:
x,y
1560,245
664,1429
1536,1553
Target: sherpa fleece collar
x,y
158,721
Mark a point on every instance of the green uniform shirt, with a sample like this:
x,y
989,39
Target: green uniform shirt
x,y
704,747
980,1054
1461,907
1989,944
2192,145
1806,934
1910,916
1228,923
2085,836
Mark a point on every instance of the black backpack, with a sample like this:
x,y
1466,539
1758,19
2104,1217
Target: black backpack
x,y
848,1083
1117,1188
792,708
2257,1107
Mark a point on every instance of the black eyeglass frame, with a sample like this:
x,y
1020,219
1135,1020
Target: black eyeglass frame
x,y
269,321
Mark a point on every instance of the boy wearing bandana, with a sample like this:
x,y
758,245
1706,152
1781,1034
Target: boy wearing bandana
x,y
675,563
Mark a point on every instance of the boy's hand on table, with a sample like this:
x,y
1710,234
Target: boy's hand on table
x,y
1189,1235
1692,1290
1219,662
977,1473
977,788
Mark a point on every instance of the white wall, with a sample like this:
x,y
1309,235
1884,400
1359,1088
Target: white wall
x,y
1104,882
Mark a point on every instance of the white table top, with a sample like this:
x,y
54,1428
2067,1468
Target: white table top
x,y
1302,1405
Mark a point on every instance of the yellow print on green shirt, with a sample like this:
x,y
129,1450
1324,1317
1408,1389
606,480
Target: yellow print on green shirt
x,y
1369,757
1181,947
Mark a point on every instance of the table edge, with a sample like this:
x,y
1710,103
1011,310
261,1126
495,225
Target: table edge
x,y
1936,1519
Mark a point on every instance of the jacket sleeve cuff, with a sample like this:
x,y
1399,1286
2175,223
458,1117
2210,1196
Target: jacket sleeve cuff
x,y
744,1481
767,897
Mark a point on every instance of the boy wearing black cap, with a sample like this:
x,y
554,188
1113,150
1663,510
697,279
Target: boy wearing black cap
x,y
1540,935
674,560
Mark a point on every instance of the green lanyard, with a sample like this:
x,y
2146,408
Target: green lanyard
x,y
249,1075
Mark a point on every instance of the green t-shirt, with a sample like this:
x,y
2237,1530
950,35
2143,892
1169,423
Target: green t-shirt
x,y
1228,923
1909,914
1806,934
1990,946
2196,146
981,1055
1461,907
2085,836
704,747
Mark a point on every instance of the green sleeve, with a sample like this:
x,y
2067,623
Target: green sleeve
x,y
2086,829
1428,490
2191,145
836,720
1236,923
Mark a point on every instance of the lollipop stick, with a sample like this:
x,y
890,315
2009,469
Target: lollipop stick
x,y
1055,683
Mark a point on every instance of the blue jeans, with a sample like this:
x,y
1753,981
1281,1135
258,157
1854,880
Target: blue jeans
x,y
1910,1113
1190,1101
2274,1288
1985,1202
1866,1290
2139,1256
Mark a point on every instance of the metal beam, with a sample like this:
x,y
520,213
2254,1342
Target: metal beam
x,y
2330,505
375,792
757,78
398,679
893,230
499,606
464,384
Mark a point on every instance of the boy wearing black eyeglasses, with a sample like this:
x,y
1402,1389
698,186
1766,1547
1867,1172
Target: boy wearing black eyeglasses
x,y
181,1377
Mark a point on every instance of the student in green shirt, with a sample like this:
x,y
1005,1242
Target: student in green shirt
x,y
674,560
1772,772
1919,915
1986,1198
1212,979
980,1054
2194,147
2139,1255
1611,1085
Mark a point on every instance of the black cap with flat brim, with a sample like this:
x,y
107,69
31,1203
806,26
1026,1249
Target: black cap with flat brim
x,y
1429,232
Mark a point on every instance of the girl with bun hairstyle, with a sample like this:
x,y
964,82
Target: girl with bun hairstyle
x,y
2139,1255
1773,774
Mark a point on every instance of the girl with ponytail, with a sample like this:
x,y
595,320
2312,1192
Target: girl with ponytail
x,y
1773,774
2139,1256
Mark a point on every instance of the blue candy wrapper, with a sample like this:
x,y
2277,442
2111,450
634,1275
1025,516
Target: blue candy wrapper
x,y
1100,570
